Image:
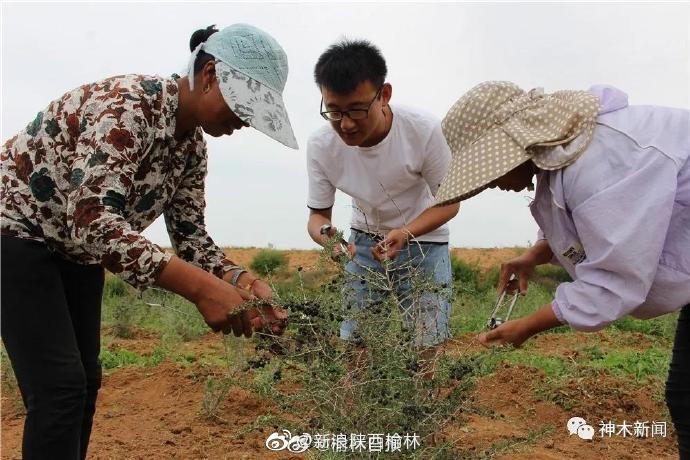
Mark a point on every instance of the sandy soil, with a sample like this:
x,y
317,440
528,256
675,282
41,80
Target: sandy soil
x,y
156,412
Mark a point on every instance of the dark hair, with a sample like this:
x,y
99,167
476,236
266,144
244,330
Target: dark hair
x,y
346,64
198,37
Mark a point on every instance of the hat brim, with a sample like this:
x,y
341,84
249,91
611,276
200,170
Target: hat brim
x,y
256,104
474,167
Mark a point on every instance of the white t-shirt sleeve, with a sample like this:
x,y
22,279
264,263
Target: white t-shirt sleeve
x,y
436,160
321,190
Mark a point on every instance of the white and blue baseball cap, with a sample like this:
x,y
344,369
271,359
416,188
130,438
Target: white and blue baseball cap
x,y
252,70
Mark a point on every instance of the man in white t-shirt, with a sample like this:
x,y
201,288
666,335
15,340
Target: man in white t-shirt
x,y
390,160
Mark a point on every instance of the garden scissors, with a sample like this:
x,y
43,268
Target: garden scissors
x,y
495,321
326,230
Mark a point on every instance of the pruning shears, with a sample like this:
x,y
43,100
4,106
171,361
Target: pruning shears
x,y
495,321
326,230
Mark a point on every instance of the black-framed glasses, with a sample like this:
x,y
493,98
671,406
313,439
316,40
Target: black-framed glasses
x,y
354,114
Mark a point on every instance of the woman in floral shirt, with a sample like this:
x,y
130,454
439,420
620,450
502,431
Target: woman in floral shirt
x,y
81,183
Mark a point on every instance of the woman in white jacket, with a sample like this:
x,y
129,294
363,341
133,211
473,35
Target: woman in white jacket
x,y
612,204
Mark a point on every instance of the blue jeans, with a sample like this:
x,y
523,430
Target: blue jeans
x,y
420,276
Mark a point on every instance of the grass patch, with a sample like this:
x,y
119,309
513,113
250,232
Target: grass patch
x,y
553,367
115,287
662,326
154,309
121,357
633,363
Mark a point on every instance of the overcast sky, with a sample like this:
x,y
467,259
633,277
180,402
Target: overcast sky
x,y
256,188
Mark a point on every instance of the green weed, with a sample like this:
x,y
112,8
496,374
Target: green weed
x,y
268,261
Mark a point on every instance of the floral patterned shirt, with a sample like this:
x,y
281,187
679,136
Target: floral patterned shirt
x,y
98,166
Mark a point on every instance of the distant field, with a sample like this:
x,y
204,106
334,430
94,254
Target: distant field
x,y
484,258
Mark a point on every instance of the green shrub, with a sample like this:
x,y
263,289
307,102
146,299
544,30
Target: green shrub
x,y
470,278
123,321
380,383
215,393
467,277
490,278
550,276
268,261
114,287
464,273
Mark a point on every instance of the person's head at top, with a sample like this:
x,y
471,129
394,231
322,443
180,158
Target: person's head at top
x,y
235,78
351,76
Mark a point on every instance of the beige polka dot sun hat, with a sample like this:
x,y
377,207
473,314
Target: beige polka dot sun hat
x,y
496,126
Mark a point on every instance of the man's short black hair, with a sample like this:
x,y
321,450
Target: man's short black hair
x,y
346,64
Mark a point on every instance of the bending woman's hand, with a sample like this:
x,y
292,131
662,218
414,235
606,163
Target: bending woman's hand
x,y
216,300
517,331
261,290
523,267
268,319
219,304
513,332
